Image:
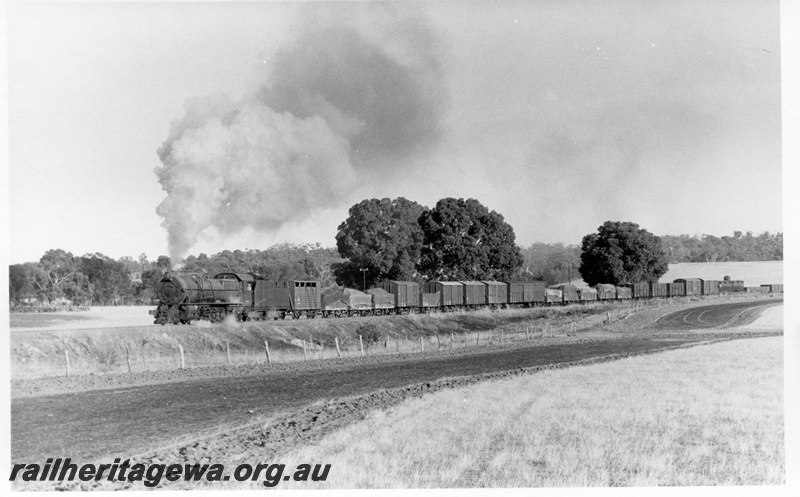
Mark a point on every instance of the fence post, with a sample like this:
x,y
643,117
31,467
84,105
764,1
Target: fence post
x,y
128,356
228,350
421,345
452,341
266,348
338,352
478,339
501,335
361,342
438,343
465,339
305,354
66,355
144,361
183,360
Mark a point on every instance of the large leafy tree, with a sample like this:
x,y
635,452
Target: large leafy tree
x,y
382,237
26,281
110,280
463,240
62,270
621,252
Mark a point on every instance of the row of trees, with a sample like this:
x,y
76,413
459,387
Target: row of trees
x,y
95,279
400,239
709,248
59,275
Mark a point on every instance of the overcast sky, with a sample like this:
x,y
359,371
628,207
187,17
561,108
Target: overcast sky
x,y
175,128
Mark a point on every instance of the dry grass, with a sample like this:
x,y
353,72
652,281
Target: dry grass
x,y
710,415
42,353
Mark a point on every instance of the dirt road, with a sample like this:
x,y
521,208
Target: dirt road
x,y
124,422
712,316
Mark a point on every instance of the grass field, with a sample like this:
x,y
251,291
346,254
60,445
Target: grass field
x,y
709,415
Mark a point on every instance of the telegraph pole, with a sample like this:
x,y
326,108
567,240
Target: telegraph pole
x,y
363,279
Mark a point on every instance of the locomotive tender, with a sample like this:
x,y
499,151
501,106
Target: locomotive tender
x,y
186,296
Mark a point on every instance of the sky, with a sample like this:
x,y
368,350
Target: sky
x,y
181,128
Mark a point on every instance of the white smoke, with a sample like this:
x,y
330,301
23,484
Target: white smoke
x,y
343,104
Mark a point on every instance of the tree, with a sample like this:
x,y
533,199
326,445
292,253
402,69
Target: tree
x,y
621,252
59,267
110,280
143,262
551,262
26,281
381,236
163,263
463,240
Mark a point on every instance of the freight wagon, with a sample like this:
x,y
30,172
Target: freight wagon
x,y
451,293
569,293
474,294
526,293
496,293
692,286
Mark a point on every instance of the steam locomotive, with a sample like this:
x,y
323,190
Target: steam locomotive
x,y
186,296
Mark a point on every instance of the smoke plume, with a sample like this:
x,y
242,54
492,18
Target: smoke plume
x,y
343,104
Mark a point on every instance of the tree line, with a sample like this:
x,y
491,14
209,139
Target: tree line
x,y
95,279
710,248
397,239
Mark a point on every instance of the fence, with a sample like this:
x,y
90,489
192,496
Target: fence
x,y
132,356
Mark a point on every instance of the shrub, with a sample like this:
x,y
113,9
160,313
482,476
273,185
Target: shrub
x,y
369,333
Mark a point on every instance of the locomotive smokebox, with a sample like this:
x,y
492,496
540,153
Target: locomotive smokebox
x,y
171,292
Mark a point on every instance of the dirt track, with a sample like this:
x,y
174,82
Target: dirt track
x,y
126,421
710,316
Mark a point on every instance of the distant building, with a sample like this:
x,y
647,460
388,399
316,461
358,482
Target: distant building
x,y
136,277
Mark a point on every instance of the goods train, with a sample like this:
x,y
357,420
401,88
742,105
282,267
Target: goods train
x,y
184,297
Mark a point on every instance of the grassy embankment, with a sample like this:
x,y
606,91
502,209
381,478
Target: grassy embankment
x,y
40,354
710,415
